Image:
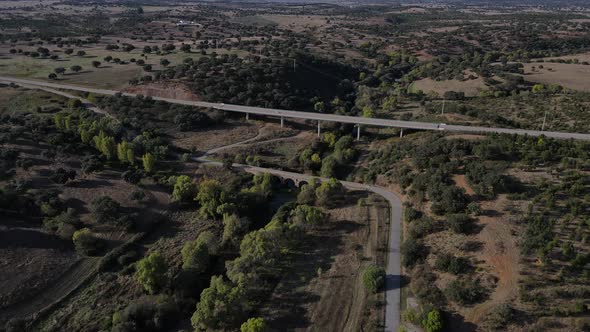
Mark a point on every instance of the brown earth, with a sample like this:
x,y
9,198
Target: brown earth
x,y
164,90
220,135
461,182
501,256
469,87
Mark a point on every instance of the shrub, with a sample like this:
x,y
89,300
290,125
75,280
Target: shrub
x,y
85,242
451,264
465,291
411,214
137,195
433,321
254,325
374,278
149,314
459,223
500,317
131,176
424,287
105,210
413,251
420,228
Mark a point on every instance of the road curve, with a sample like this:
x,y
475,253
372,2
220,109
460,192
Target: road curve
x,y
315,116
393,267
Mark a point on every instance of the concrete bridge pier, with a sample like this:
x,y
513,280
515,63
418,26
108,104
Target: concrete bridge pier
x,y
247,116
401,132
282,122
358,132
319,128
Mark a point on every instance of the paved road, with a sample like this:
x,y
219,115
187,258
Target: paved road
x,y
393,268
316,116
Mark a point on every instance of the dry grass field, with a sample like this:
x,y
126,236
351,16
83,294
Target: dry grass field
x,y
469,87
571,76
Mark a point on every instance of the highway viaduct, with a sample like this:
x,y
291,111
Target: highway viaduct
x,y
319,117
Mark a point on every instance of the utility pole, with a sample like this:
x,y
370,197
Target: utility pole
x,y
545,119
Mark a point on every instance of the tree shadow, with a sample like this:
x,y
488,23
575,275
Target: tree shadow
x,y
393,282
456,322
31,238
90,183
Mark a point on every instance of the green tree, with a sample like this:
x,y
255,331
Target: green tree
x,y
307,215
263,185
123,149
307,193
195,256
149,162
433,321
234,229
319,106
374,278
151,272
184,189
257,324
76,68
368,112
105,144
210,196
219,308
329,191
330,139
538,88
329,166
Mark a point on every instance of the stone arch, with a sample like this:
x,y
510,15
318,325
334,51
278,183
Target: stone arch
x,y
290,183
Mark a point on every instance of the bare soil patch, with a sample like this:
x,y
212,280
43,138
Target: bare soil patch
x,y
231,132
461,182
572,76
164,90
501,256
469,87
